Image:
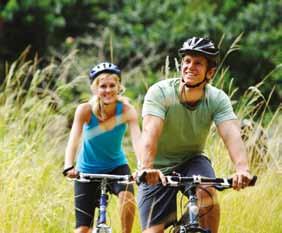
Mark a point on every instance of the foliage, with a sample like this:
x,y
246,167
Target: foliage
x,y
260,51
138,34
35,102
41,25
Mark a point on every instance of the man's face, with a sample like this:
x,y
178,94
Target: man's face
x,y
194,68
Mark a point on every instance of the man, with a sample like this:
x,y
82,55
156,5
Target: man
x,y
177,115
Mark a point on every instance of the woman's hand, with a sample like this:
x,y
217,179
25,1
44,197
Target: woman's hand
x,y
70,172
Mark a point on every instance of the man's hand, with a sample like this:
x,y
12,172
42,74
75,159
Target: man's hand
x,y
152,176
241,179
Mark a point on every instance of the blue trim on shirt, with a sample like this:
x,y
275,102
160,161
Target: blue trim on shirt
x,y
101,150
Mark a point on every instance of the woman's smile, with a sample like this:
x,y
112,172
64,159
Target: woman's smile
x,y
108,90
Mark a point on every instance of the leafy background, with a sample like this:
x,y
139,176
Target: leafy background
x,y
140,34
47,48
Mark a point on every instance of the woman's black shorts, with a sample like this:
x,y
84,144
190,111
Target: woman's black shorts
x,y
87,196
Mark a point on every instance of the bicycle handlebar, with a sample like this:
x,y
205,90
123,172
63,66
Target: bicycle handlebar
x,y
218,183
89,177
172,181
176,181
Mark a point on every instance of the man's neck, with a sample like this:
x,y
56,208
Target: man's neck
x,y
191,96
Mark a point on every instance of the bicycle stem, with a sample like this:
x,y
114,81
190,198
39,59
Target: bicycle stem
x,y
103,203
193,207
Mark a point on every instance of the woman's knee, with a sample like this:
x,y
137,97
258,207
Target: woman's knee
x,y
126,197
154,229
82,229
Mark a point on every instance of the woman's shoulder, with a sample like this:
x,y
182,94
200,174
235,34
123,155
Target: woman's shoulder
x,y
83,111
84,107
127,105
128,110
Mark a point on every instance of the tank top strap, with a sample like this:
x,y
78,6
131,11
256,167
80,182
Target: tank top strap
x,y
119,113
93,119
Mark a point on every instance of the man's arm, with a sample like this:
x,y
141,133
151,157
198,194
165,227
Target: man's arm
x,y
230,133
152,129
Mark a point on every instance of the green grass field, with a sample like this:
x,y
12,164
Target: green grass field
x,y
36,198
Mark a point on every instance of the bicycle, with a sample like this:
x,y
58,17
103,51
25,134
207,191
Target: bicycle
x,y
189,222
101,226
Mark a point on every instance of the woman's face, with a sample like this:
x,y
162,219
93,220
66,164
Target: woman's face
x,y
108,89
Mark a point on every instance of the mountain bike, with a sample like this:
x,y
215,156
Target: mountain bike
x,y
189,222
104,179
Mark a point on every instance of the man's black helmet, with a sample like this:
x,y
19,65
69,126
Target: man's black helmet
x,y
202,46
104,67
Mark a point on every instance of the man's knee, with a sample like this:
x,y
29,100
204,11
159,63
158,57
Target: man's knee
x,y
207,197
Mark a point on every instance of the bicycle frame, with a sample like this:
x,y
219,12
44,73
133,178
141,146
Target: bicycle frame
x,y
193,213
191,225
101,226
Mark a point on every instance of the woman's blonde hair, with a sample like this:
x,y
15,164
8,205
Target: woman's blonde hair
x,y
97,104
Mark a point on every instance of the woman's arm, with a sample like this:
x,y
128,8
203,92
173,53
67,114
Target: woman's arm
x,y
81,116
131,117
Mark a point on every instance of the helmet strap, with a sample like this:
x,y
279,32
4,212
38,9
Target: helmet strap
x,y
194,85
197,84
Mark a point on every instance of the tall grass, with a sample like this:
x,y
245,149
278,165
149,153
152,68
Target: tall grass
x,y
32,141
35,198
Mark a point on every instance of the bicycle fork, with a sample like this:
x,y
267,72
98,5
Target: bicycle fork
x,y
193,210
102,227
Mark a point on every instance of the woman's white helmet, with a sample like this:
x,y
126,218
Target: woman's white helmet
x,y
104,67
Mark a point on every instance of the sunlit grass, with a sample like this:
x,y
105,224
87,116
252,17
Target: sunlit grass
x,y
256,209
36,198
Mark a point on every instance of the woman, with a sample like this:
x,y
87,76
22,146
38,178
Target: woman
x,y
102,124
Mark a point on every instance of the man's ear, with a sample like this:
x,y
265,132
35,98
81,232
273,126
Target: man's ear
x,y
211,73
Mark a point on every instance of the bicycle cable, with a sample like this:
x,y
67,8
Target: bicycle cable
x,y
182,213
210,207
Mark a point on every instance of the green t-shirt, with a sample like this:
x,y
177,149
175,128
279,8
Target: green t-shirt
x,y
185,130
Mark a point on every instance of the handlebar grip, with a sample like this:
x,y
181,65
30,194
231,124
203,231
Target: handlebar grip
x,y
253,181
65,171
141,178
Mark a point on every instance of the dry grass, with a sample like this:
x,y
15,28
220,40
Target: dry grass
x,y
34,196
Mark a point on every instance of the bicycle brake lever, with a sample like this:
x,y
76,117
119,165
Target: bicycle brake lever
x,y
129,180
253,181
81,178
141,178
227,183
171,182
